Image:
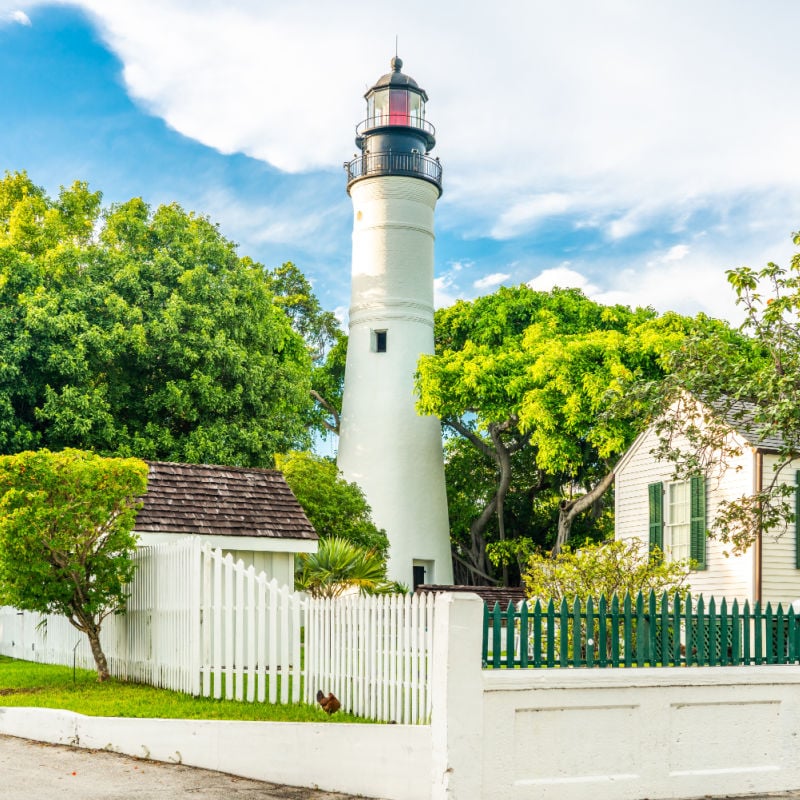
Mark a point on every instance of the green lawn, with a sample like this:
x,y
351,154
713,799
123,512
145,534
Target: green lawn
x,y
25,683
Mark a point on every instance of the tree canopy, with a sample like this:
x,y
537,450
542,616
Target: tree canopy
x,y
129,331
66,541
537,377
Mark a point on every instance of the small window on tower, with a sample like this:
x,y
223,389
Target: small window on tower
x,y
379,341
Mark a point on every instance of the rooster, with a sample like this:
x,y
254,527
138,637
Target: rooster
x,y
330,703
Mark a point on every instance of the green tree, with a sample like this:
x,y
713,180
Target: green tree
x,y
131,332
604,569
532,375
749,380
335,507
66,541
340,565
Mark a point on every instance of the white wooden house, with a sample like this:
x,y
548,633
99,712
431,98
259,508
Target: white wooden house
x,y
675,515
250,513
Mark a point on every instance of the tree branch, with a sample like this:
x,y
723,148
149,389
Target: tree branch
x,y
330,409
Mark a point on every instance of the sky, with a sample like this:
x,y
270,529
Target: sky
x,y
631,148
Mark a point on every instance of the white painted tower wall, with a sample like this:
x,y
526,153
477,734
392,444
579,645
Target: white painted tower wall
x,y
390,451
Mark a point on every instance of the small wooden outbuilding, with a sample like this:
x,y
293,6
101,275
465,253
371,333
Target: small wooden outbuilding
x,y
251,513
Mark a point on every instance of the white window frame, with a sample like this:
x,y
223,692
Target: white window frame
x,y
677,521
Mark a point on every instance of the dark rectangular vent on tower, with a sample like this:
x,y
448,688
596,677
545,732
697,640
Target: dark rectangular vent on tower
x,y
379,341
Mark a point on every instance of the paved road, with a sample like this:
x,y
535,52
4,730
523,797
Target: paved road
x,y
36,771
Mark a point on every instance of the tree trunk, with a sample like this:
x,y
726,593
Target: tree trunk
x,y
86,624
501,453
503,459
99,655
568,510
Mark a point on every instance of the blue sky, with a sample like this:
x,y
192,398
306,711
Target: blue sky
x,y
632,148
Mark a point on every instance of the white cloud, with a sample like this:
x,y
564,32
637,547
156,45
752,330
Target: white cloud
x,y
524,214
677,253
490,281
445,291
21,17
564,278
287,222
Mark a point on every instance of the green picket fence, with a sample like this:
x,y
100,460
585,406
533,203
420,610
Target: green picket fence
x,y
639,632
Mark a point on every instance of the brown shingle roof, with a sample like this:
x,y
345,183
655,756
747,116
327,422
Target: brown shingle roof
x,y
223,501
489,594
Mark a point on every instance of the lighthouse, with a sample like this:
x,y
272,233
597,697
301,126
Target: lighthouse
x,y
391,452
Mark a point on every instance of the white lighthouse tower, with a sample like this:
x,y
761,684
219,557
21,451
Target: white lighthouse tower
x,y
390,451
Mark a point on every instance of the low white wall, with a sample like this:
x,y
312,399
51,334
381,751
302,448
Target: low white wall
x,y
624,734
392,762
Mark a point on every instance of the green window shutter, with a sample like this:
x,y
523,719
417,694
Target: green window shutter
x,y
797,519
655,493
697,531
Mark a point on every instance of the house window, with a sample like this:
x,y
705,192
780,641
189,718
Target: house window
x,y
379,341
677,520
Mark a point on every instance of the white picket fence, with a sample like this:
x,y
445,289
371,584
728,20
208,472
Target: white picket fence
x,y
200,622
373,653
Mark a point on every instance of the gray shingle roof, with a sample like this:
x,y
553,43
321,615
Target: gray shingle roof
x,y
222,501
740,415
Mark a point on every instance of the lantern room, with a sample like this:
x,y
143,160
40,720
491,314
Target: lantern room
x,y
396,101
395,138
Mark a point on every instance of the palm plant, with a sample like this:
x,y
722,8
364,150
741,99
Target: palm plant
x,y
340,565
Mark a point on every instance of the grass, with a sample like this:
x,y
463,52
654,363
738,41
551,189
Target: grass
x,y
25,683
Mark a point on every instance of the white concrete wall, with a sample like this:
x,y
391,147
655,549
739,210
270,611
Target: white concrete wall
x,y
628,734
724,576
392,762
391,452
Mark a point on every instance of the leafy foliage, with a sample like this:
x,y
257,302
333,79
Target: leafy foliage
x,y
326,343
748,381
340,565
334,506
605,569
65,535
535,381
140,333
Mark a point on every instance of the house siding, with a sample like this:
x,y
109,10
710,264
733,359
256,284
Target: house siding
x,y
730,577
780,581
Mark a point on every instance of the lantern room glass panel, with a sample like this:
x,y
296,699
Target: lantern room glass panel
x,y
416,109
398,107
378,107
